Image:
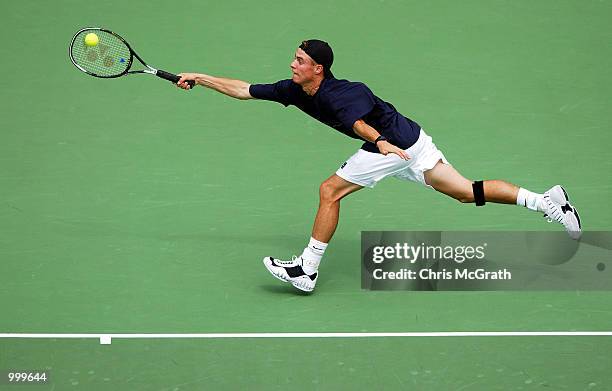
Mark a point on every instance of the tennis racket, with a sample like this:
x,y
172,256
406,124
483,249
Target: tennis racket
x,y
110,57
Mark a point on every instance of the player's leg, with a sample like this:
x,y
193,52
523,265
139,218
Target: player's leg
x,y
302,271
363,169
446,179
554,203
331,191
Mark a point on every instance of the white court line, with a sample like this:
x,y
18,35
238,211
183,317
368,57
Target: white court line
x,y
106,339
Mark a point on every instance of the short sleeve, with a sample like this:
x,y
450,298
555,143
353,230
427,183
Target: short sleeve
x,y
277,92
355,102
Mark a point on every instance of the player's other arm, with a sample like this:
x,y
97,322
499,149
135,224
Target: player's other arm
x,y
368,133
235,88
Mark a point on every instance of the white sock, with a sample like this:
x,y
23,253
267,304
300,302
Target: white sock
x,y
312,255
530,200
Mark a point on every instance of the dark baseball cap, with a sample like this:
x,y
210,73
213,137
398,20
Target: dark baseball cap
x,y
321,53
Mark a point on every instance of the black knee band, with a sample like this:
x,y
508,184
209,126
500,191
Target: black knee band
x,y
479,196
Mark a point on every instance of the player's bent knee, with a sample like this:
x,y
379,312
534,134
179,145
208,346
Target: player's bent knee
x,y
327,192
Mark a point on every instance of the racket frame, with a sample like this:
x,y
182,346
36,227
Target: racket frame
x,y
148,69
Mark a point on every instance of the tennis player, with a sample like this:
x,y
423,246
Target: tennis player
x,y
394,146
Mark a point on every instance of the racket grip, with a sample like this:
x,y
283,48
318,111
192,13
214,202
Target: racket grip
x,y
172,77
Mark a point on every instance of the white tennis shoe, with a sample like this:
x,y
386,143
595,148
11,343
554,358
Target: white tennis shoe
x,y
291,271
558,208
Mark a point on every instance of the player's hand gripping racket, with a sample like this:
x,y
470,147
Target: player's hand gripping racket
x,y
103,53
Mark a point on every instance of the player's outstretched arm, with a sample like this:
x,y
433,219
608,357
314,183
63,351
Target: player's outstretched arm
x,y
235,88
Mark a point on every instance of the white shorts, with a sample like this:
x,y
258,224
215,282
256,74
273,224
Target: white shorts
x,y
367,168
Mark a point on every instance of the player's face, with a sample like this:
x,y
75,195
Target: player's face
x,y
303,67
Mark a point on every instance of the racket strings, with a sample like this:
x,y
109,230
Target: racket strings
x,y
110,57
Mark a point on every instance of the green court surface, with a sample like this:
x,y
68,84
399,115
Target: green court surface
x,y
130,206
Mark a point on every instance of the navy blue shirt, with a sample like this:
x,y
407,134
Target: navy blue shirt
x,y
339,103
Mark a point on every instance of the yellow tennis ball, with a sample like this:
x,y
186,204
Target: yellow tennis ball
x,y
91,39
